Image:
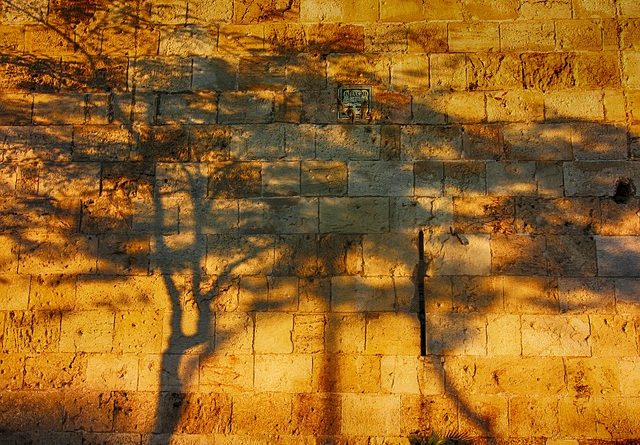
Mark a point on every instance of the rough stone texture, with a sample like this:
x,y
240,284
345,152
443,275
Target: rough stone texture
x,y
196,249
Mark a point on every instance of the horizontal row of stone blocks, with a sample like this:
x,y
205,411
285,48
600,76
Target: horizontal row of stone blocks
x,y
439,72
376,333
180,12
136,39
296,415
345,294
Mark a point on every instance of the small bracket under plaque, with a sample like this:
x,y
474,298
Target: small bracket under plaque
x,y
354,102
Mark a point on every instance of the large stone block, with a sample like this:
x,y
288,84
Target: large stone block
x,y
108,372
323,178
579,106
558,335
392,334
473,37
618,256
595,377
451,255
308,333
345,333
542,142
31,331
14,292
259,412
515,106
239,255
380,178
290,373
627,295
613,336
354,215
518,255
527,36
359,294
54,371
279,215
483,214
391,255
548,71
419,413
456,334
87,331
226,373
273,333
241,107
370,414
533,416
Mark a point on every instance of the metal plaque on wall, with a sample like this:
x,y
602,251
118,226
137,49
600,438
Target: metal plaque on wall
x,y
354,102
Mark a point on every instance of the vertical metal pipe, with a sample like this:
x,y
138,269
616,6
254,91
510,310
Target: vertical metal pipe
x,y
422,268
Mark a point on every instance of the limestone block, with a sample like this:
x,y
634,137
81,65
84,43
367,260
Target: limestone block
x,y
124,254
188,108
199,413
477,294
17,108
515,106
14,292
257,142
428,178
142,292
618,256
465,107
130,179
258,412
342,142
234,333
586,106
538,142
630,8
70,180
555,335
511,178
234,180
577,418
132,413
447,255
423,143
361,294
574,35
550,178
187,41
31,331
430,107
296,255
627,375
308,333
627,296
108,372
101,142
138,331
447,72
168,372
171,74
492,415
392,334
438,295
586,295
531,295
613,336
599,70
387,178
246,107
527,36
532,9
452,334
548,71
473,37
344,333
434,215
533,416
428,413
31,411
239,255
503,334
87,331
385,38
12,371
317,414
488,71
314,294
595,377
273,333
106,214
618,219
518,255
390,255
597,178
240,38
594,8
618,424
54,371
323,178
506,375
466,178
483,214
180,253
354,215
290,373
281,178
370,414
427,37
226,373
410,72
165,143
89,411
572,216
347,373
279,215
404,375
259,73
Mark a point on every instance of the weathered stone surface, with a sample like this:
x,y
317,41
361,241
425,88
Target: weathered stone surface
x,y
290,373
31,331
456,334
370,414
518,255
392,334
108,372
478,36
543,142
618,256
555,335
451,255
354,215
359,294
87,331
548,71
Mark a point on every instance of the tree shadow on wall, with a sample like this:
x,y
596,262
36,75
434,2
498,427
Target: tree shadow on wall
x,y
190,193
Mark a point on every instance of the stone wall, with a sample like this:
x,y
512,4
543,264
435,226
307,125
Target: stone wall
x,y
196,250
